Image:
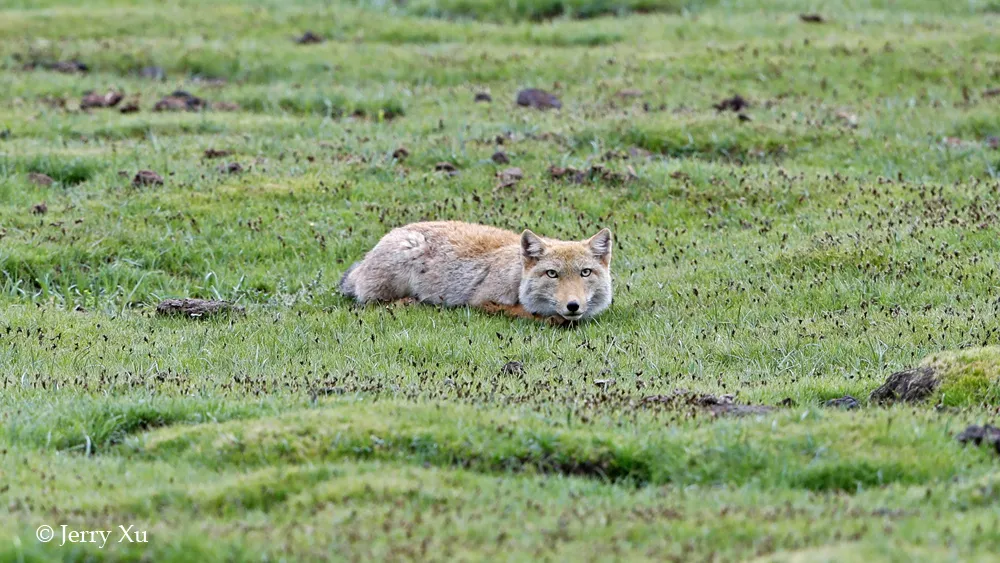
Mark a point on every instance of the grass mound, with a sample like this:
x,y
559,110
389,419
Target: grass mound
x,y
968,377
835,453
540,10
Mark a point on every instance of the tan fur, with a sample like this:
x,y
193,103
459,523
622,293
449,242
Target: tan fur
x,y
454,263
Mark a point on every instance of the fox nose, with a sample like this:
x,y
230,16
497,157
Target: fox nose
x,y
572,306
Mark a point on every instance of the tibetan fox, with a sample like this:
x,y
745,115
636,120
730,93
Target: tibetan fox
x,y
453,263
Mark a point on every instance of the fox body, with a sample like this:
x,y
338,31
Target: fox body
x,y
454,263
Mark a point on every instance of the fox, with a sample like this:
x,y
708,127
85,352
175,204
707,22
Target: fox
x,y
453,263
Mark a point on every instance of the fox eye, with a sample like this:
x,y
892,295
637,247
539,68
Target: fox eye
x,y
585,272
552,273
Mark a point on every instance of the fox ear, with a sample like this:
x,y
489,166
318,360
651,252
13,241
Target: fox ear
x,y
600,245
531,246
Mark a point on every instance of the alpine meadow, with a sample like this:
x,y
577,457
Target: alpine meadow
x,y
801,361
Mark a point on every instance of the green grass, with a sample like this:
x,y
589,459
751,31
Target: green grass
x,y
844,232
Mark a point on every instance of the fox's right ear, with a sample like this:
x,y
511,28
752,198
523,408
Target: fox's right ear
x,y
532,247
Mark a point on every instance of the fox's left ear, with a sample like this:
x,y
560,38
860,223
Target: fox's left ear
x,y
600,245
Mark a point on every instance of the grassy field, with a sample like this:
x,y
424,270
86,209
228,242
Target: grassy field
x,y
839,229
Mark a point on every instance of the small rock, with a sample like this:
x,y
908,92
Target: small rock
x,y
846,402
538,99
908,386
231,168
179,100
736,104
40,179
129,107
570,173
400,154
216,153
500,157
483,97
514,174
513,367
978,435
94,100
39,209
445,167
147,178
153,73
309,38
812,18
604,383
196,308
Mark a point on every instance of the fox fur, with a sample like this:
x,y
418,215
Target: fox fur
x,y
454,263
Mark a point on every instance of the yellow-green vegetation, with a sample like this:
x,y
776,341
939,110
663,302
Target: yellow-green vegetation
x,y
967,377
840,228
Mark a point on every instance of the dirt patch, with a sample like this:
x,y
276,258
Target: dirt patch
x,y
231,168
538,99
721,405
483,97
737,103
216,153
179,100
40,179
979,435
131,106
39,209
95,100
909,386
147,178
446,167
812,18
846,402
309,38
196,308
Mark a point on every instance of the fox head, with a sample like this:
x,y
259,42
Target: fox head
x,y
571,279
